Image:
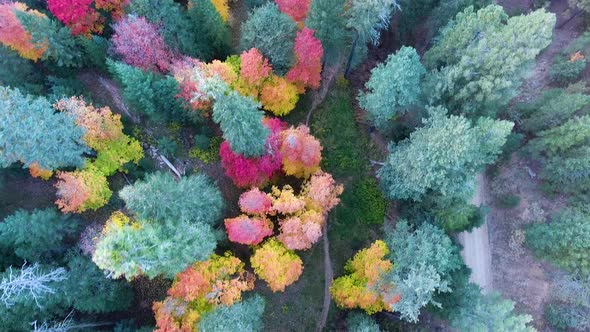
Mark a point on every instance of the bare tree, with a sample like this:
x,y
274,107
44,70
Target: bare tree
x,y
29,279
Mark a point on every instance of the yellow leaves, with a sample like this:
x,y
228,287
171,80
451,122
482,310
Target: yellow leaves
x,y
222,8
578,56
276,265
38,172
279,96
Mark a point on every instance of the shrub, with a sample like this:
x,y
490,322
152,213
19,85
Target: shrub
x,y
566,70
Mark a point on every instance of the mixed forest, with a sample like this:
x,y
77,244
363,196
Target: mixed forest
x,y
294,165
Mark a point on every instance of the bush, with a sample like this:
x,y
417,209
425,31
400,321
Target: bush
x,y
565,71
167,146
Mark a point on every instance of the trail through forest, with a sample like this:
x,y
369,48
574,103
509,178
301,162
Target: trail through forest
x,y
476,245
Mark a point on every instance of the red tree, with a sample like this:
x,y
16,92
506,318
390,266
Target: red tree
x,y
139,44
297,9
14,35
254,172
255,202
301,152
308,66
81,17
248,230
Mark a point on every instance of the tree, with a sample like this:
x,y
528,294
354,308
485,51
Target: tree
x,y
83,190
255,172
424,260
361,287
159,197
78,15
90,291
301,152
241,123
279,96
442,156
29,123
368,18
309,53
14,35
201,288
139,44
18,73
580,4
276,265
208,25
296,9
254,70
557,243
556,141
272,33
245,316
248,230
37,236
358,322
255,202
321,192
131,248
327,19
394,86
570,303
480,75
148,92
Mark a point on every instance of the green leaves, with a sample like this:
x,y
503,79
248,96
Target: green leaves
x,y
393,86
245,316
30,131
241,123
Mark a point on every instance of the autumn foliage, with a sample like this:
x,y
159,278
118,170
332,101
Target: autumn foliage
x,y
199,289
82,17
277,265
139,44
249,172
14,35
361,287
248,230
82,190
278,95
301,152
38,172
297,9
308,66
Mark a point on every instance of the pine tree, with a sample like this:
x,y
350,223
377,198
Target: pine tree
x,y
31,131
327,19
245,316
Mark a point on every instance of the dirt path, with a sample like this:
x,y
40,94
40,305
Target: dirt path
x,y
476,245
329,277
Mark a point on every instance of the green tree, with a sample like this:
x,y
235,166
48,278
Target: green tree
x,y
272,33
31,131
193,199
394,86
241,122
210,30
36,236
19,73
424,260
479,58
565,241
148,92
581,4
245,316
361,322
570,303
327,19
90,291
556,141
368,18
153,248
443,156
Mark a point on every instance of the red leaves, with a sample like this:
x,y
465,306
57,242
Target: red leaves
x,y
248,230
254,172
255,202
297,9
301,152
14,35
81,17
139,43
309,53
254,67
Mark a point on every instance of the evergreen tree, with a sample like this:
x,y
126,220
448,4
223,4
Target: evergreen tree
x,y
443,156
241,123
17,72
31,131
565,241
210,30
37,236
193,199
480,58
393,87
424,260
245,316
272,33
360,322
327,19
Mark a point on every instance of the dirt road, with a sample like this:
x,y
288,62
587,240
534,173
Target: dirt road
x,y
476,245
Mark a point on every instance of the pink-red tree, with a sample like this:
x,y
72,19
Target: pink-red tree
x,y
254,172
307,72
82,17
297,9
255,202
14,35
301,152
139,44
248,230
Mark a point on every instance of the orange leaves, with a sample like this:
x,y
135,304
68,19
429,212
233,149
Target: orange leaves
x,y
301,152
301,232
82,190
197,290
322,192
14,35
38,172
278,95
360,287
276,265
576,56
254,67
285,201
